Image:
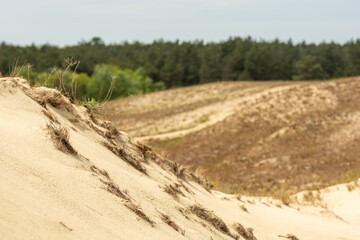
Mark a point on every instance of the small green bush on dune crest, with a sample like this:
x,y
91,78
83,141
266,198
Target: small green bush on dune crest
x,y
125,82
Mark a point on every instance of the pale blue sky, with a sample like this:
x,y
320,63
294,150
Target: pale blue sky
x,y
66,22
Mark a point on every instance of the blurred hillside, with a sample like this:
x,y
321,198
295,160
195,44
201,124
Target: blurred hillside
x,y
257,137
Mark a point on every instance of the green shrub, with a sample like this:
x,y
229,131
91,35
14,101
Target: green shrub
x,y
107,82
126,82
91,104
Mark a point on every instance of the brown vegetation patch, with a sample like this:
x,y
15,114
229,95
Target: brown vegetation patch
x,y
182,173
144,149
245,233
109,126
50,116
54,100
185,187
60,137
111,133
202,181
283,194
120,152
174,190
178,170
185,212
289,236
171,166
210,217
311,197
244,208
166,219
99,171
137,209
114,189
51,96
303,137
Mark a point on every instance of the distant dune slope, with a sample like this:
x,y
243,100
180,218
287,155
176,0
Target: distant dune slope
x,y
65,174
257,137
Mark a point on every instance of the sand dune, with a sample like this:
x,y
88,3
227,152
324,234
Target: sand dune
x,y
254,137
67,175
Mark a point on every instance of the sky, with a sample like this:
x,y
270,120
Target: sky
x,y
67,22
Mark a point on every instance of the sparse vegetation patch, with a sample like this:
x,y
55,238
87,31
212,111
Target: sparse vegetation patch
x,y
99,171
210,217
166,219
173,190
50,116
245,233
290,237
114,189
60,137
120,152
137,209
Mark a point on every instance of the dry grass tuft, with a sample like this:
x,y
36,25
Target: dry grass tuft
x,y
311,197
173,190
185,212
114,189
137,209
110,134
245,233
99,171
43,96
169,165
166,219
14,70
289,236
351,186
283,194
54,100
202,181
178,170
50,116
239,197
143,148
185,187
120,152
210,217
146,152
181,172
109,126
60,137
244,208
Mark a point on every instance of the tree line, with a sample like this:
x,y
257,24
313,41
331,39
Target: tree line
x,y
188,63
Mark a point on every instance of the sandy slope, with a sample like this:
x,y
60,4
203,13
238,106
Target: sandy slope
x,y
47,193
